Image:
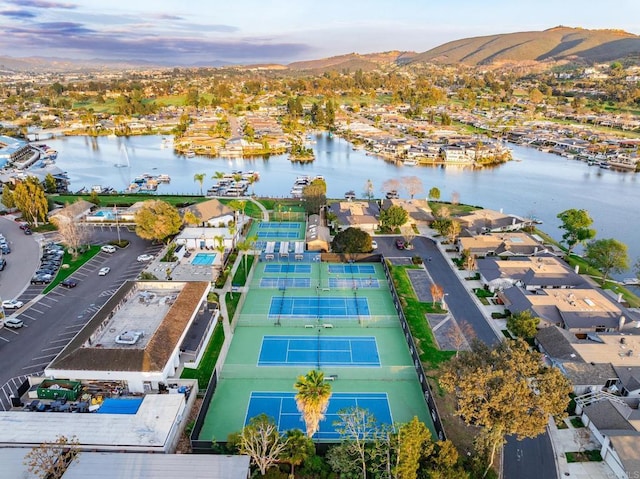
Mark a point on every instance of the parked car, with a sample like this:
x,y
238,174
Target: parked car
x,y
41,279
374,245
104,271
400,243
69,283
108,248
13,323
28,231
23,226
5,249
12,304
3,263
145,257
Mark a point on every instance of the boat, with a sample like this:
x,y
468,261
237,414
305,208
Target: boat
x,y
604,165
392,195
190,154
410,162
166,143
350,195
164,178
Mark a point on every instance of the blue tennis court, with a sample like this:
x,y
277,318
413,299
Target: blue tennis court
x,y
278,234
282,283
318,351
309,306
287,268
282,407
349,283
352,269
275,225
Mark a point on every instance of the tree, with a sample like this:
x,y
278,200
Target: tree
x,y
576,225
391,185
30,200
608,256
434,194
199,178
50,185
505,390
299,447
351,240
94,198
452,230
368,190
261,441
245,246
190,218
357,428
437,292
393,217
157,220
51,459
442,463
414,441
460,335
314,197
469,261
7,197
523,324
312,399
412,185
72,232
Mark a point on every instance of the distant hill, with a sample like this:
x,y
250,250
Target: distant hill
x,y
354,61
559,43
49,64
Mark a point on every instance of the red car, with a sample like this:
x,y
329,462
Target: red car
x,y
400,244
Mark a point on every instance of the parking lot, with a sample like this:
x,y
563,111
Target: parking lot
x,y
52,320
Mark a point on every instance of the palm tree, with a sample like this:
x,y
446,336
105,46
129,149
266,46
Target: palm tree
x,y
199,178
218,175
312,399
245,246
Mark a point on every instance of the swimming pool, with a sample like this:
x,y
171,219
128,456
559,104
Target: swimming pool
x,y
203,259
104,214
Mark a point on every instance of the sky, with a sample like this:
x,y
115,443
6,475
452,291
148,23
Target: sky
x,y
189,32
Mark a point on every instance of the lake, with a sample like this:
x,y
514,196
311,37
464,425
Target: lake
x,y
535,183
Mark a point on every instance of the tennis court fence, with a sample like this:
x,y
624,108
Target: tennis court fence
x,y
331,372
326,322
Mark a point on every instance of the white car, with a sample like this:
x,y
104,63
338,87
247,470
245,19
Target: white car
x,y
12,304
145,257
104,271
108,248
13,323
374,245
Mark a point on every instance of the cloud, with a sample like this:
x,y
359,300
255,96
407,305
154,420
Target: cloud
x,y
42,4
18,14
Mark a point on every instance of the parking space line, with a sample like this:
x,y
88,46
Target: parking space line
x,y
36,310
52,299
59,341
39,365
5,339
72,326
25,315
15,332
51,349
42,303
42,357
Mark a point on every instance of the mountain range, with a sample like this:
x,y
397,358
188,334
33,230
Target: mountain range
x,y
558,44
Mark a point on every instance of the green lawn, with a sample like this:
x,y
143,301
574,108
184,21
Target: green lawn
x,y
128,200
240,278
73,266
415,312
208,363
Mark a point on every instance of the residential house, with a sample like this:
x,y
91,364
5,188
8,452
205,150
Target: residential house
x,y
503,244
484,221
356,214
212,213
75,211
529,272
419,210
616,426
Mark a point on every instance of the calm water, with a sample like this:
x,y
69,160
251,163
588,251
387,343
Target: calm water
x,y
540,184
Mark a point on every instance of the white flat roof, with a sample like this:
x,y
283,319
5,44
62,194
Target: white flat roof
x,y
12,460
148,429
109,465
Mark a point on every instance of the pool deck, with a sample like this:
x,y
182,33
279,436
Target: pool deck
x,y
184,270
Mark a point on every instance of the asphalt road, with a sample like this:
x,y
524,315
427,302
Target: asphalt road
x,y
53,320
526,459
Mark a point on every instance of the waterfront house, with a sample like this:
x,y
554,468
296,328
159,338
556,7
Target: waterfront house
x,y
355,214
485,221
504,244
419,211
